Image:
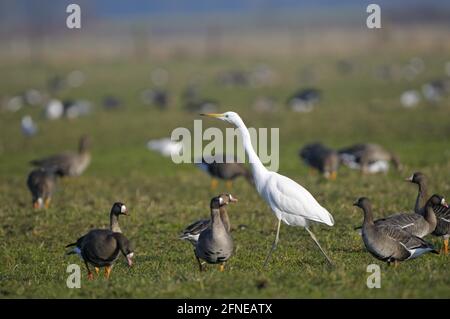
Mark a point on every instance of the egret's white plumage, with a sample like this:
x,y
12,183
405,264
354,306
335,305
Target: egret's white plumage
x,y
290,202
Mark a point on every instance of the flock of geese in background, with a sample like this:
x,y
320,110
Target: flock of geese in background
x,y
392,239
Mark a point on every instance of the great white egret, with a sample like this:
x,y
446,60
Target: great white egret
x,y
289,201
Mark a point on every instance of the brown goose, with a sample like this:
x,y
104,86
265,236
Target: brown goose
x,y
442,211
101,248
68,163
390,243
369,158
41,182
192,232
215,244
417,224
226,170
117,209
321,158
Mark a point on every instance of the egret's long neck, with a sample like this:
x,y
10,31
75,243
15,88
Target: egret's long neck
x,y
257,167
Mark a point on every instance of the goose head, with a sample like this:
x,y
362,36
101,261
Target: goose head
x,y
119,209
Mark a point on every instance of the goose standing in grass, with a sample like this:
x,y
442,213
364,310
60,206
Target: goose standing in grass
x,y
68,163
117,209
321,158
101,248
419,225
215,244
390,243
192,232
442,211
42,183
227,171
289,201
304,100
369,158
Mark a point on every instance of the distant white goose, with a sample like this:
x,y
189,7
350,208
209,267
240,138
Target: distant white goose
x,y
165,146
289,201
29,128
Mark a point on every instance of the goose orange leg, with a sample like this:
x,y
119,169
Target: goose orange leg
x,y
47,202
97,270
214,184
445,248
229,185
222,267
108,271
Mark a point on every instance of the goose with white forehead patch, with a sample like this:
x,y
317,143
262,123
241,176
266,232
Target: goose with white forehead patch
x,y
215,245
289,201
192,232
117,209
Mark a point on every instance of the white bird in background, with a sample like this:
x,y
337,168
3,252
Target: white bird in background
x,y
289,201
165,146
29,128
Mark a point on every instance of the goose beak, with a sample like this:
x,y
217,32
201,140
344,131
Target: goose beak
x,y
355,204
216,115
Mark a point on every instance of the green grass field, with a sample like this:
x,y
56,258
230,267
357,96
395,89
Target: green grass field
x,y
163,197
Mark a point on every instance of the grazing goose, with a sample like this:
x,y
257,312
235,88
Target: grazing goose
x,y
214,245
101,248
41,182
117,209
68,163
321,158
304,100
369,158
192,232
227,171
28,126
419,225
388,242
442,211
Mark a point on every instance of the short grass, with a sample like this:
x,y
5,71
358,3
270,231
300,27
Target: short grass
x,y
164,197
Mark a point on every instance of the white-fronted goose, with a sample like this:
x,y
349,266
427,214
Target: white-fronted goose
x,y
388,242
101,248
227,171
41,182
214,245
419,225
117,209
442,211
68,163
321,158
369,158
192,232
304,100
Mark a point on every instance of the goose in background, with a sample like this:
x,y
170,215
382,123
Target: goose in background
x,y
390,243
29,127
165,146
304,100
192,232
68,163
42,183
224,169
369,158
322,158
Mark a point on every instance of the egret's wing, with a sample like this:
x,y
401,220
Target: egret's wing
x,y
291,198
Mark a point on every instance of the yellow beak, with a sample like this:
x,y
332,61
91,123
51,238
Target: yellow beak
x,y
212,114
